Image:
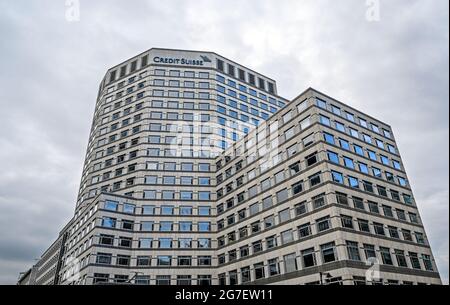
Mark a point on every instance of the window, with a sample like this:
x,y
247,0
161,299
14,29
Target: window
x,y
353,251
386,256
315,180
372,155
349,163
337,177
367,138
185,243
123,260
267,202
204,226
379,228
340,127
393,232
111,205
358,150
185,226
259,271
274,268
363,225
358,203
164,261
294,168
325,120
329,138
297,188
301,209
328,253
427,262
305,123
353,182
290,263
308,258
369,251
318,201
166,226
415,263
147,226
323,224
287,237
322,104
287,117
108,222
104,258
304,230
282,196
344,144
143,261
347,222
401,259
388,211
148,210
145,243
289,133
284,215
311,159
107,240
333,157
354,133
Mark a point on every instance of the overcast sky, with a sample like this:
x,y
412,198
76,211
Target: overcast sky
x,y
395,69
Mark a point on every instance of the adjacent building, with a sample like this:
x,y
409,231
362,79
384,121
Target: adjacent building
x,y
197,172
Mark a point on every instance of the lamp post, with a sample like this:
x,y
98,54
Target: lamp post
x,y
327,275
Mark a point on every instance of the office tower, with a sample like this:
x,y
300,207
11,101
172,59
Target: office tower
x,y
198,173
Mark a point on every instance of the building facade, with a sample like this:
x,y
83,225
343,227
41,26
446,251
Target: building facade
x,y
198,173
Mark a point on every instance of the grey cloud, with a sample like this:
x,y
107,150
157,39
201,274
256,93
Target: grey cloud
x,y
395,69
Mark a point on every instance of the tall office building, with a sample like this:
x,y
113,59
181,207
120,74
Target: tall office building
x,y
198,173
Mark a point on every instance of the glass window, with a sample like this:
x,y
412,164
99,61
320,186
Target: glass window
x,y
329,138
337,177
321,103
340,127
344,144
353,251
363,168
349,163
328,253
353,182
325,120
111,205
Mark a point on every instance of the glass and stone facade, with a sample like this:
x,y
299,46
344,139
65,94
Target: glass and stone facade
x,y
197,172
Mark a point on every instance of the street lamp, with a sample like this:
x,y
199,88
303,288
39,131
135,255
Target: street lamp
x,y
327,277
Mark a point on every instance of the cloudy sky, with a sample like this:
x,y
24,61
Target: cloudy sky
x,y
393,65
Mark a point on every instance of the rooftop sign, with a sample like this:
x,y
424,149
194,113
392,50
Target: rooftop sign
x,y
182,61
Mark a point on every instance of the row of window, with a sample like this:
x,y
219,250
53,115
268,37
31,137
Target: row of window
x,y
360,151
244,76
159,280
367,186
128,68
365,169
145,261
306,230
179,194
163,210
349,116
149,243
328,253
164,226
375,208
178,83
354,133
